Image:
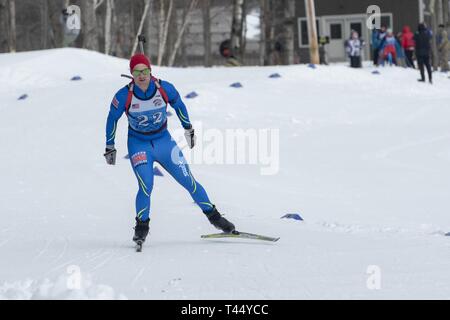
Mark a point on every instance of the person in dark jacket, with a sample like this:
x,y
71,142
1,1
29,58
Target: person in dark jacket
x,y
422,38
377,39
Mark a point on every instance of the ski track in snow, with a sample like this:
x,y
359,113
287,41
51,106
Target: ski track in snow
x,y
44,250
138,275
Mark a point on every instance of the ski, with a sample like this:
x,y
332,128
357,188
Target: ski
x,y
242,235
139,244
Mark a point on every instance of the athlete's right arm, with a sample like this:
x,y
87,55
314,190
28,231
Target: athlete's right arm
x,y
116,110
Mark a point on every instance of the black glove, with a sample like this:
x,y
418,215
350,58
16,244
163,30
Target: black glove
x,y
190,137
110,155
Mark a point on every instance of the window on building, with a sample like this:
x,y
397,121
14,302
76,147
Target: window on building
x,y
356,26
386,20
303,32
335,31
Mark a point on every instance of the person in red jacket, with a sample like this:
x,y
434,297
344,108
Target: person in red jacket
x,y
408,45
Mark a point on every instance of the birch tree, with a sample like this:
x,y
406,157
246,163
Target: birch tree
x,y
4,26
108,22
206,10
434,26
263,14
164,29
446,12
186,20
44,24
288,32
90,39
141,26
12,25
237,28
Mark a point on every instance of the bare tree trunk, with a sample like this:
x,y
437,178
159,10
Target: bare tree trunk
x,y
172,32
124,29
56,28
162,16
108,21
206,9
237,28
184,55
130,35
164,23
446,12
44,24
439,13
244,33
4,26
90,39
433,7
262,28
272,54
141,26
149,29
186,20
288,32
12,26
114,29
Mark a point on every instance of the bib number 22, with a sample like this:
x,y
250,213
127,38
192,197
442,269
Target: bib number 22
x,y
143,120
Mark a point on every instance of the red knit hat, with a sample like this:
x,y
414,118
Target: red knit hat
x,y
137,59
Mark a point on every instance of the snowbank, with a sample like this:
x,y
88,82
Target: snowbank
x,y
61,288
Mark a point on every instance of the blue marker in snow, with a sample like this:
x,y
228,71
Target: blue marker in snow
x,y
23,97
294,216
192,95
312,66
236,85
275,76
376,72
76,78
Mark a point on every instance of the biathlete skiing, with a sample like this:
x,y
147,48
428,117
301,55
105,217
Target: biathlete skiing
x,y
145,101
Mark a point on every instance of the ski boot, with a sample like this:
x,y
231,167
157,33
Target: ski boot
x,y
141,232
216,219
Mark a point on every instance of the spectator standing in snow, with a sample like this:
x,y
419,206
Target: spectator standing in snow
x,y
388,48
408,46
443,47
422,38
353,47
72,25
227,53
377,39
400,52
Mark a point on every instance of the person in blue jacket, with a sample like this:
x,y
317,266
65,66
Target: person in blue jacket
x,y
377,39
145,101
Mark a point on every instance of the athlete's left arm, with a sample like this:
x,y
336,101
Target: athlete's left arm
x,y
177,103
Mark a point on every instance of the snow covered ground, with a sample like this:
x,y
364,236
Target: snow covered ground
x,y
364,158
